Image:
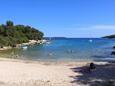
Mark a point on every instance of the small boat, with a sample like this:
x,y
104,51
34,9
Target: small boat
x,y
90,40
24,47
48,42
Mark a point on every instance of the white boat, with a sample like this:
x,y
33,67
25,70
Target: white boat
x,y
48,42
90,40
24,47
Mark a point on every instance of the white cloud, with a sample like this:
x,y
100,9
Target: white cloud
x,y
109,27
95,27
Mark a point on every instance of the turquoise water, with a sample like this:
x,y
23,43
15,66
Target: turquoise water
x,y
72,49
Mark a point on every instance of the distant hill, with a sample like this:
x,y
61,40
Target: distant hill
x,y
111,36
11,34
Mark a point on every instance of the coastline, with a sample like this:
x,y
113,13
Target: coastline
x,y
31,42
33,73
23,72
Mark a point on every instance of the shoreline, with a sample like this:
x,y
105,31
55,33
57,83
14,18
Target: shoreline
x,y
25,72
31,42
16,72
50,61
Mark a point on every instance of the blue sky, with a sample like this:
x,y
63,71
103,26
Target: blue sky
x,y
68,18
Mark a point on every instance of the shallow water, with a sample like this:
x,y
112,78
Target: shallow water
x,y
70,49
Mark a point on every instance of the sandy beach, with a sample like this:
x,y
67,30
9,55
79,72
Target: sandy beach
x,y
31,73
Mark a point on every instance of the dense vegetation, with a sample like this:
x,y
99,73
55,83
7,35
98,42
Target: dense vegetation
x,y
11,34
111,36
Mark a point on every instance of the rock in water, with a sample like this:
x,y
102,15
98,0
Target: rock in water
x,y
114,47
113,53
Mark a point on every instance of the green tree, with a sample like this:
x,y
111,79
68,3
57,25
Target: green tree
x,y
11,34
9,23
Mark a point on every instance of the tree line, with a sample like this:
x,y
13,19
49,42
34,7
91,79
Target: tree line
x,y
11,34
111,36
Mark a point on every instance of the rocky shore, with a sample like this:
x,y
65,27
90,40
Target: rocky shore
x,y
31,42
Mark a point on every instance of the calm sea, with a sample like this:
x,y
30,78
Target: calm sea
x,y
69,49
